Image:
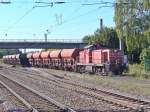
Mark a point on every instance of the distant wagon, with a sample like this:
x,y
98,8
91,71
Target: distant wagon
x,y
70,58
46,59
56,59
37,59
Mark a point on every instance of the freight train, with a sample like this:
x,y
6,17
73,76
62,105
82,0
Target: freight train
x,y
95,59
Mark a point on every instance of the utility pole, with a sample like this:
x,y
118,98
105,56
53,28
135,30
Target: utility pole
x,y
45,36
121,45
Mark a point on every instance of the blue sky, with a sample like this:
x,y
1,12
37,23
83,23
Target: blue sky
x,y
19,20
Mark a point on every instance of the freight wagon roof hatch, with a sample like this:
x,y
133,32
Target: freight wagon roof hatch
x,y
69,53
55,54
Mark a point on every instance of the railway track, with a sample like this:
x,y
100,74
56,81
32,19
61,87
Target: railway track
x,y
10,102
106,96
115,98
35,101
28,106
79,102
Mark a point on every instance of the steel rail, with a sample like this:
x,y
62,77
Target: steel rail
x,y
19,97
65,108
126,102
137,102
89,93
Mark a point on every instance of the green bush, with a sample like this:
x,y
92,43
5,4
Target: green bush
x,y
138,71
145,54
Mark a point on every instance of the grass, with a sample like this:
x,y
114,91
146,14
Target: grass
x,y
1,61
128,86
138,72
136,82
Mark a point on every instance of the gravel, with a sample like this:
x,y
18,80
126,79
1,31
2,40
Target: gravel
x,y
9,102
123,85
70,98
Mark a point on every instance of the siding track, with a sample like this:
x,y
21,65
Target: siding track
x,y
128,103
10,101
108,96
34,100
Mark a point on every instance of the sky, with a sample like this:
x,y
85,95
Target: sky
x,y
22,19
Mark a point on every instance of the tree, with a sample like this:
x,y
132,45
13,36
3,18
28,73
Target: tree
x,y
8,52
90,39
132,21
106,36
145,54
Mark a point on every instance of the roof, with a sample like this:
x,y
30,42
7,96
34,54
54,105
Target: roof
x,y
88,46
95,46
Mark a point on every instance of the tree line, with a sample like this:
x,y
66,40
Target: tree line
x,y
132,26
4,52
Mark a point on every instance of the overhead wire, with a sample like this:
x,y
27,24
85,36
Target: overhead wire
x,y
21,18
76,28
51,3
72,13
69,20
48,2
66,21
76,17
25,33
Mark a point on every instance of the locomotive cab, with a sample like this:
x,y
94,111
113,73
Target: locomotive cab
x,y
114,60
100,60
86,59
